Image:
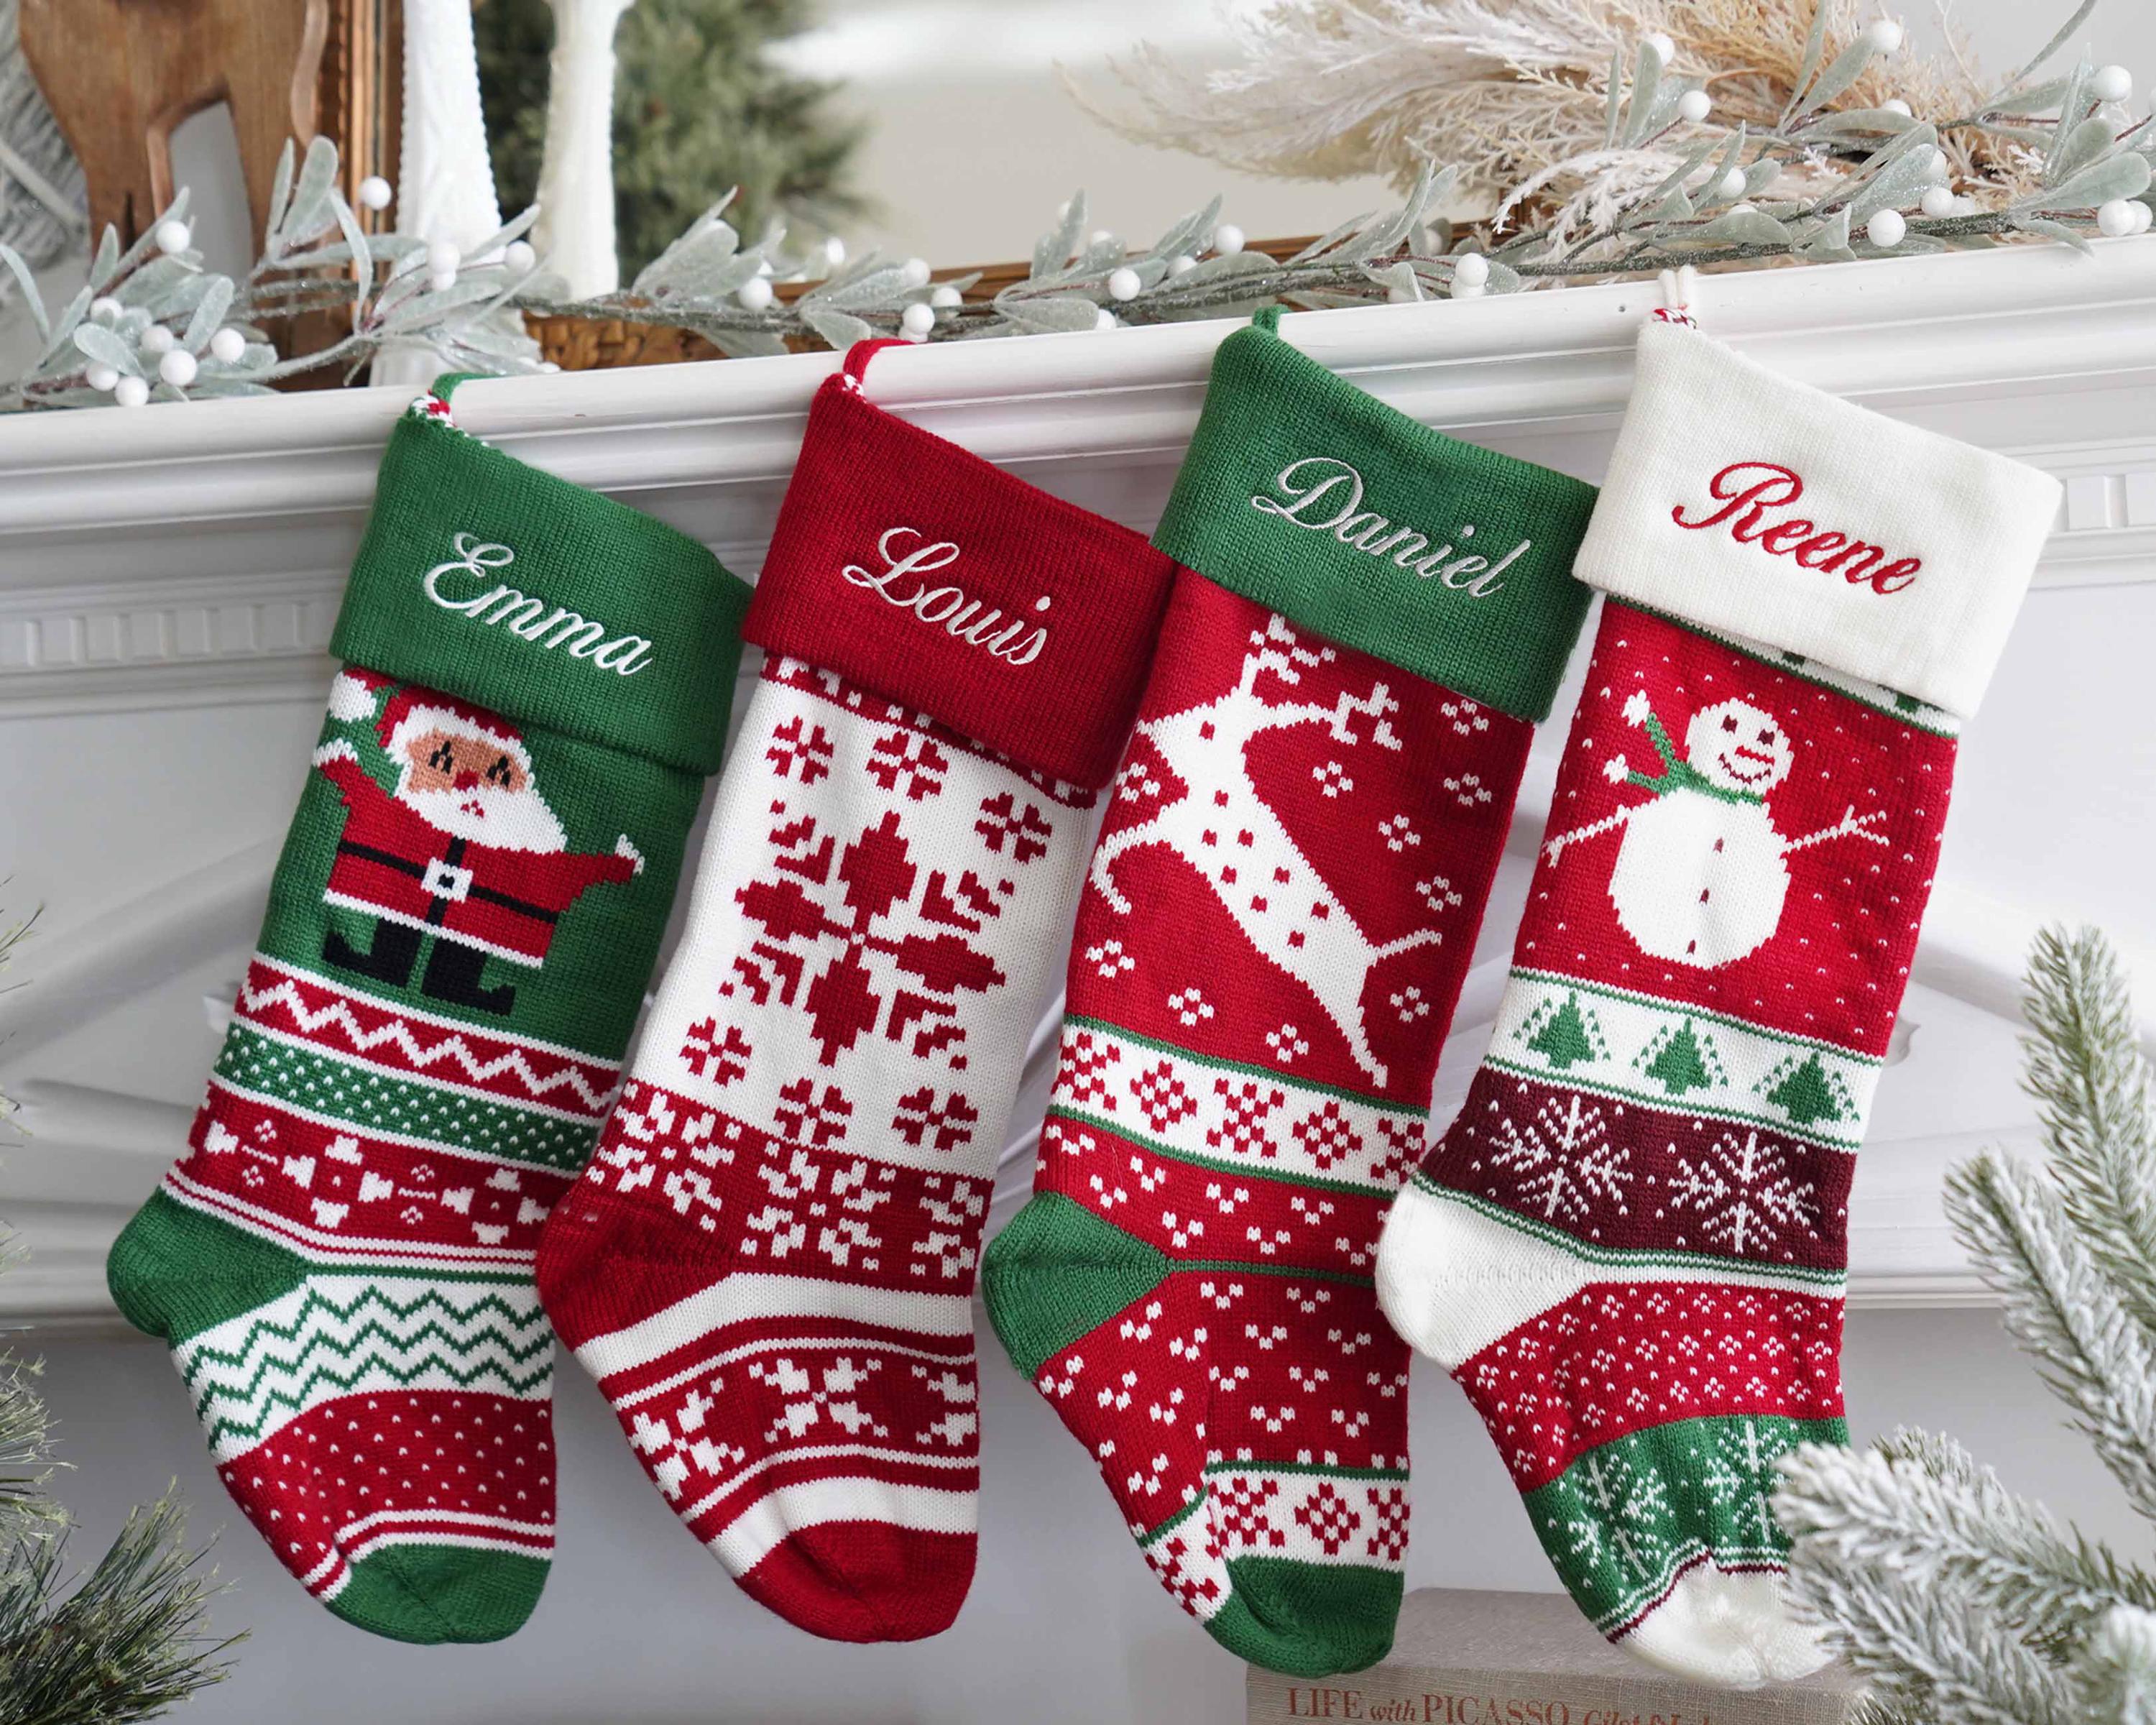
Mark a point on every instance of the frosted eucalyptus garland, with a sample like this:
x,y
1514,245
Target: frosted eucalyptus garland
x,y
2051,159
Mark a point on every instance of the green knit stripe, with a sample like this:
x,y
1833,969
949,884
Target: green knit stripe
x,y
1625,1519
548,603
1345,517
320,1084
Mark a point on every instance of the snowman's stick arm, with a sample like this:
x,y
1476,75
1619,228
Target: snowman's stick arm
x,y
1660,739
1851,825
1555,848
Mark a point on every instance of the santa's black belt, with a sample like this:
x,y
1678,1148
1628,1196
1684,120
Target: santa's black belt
x,y
418,871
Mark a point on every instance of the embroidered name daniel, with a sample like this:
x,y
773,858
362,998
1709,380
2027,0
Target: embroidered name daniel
x,y
1325,494
901,582
527,616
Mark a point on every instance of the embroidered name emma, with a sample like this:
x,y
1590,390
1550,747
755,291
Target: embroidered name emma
x,y
1325,494
900,583
1748,490
529,617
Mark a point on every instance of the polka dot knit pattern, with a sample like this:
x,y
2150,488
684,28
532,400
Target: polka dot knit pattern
x,y
1630,1248
769,1265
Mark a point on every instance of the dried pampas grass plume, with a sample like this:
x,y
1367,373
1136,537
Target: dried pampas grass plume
x,y
1515,92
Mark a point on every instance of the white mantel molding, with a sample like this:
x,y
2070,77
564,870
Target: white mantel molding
x,y
188,555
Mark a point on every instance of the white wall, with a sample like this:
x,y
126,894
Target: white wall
x,y
1065,1624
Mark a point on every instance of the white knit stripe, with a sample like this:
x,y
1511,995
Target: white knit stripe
x,y
819,1452
470,1542
590,1116
1453,1280
414,1015
1626,1032
336,1248
749,1350
1310,1515
465,1518
740,1296
335,1336
752,1537
1229,1116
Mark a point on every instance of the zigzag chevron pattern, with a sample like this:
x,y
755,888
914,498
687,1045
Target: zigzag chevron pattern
x,y
278,998
339,1334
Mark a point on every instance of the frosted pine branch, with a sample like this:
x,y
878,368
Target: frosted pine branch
x,y
1866,1510
2086,1071
2064,1312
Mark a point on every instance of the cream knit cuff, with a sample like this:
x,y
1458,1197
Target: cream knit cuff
x,y
1760,507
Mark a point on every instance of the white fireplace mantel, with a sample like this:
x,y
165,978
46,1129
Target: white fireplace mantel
x,y
169,578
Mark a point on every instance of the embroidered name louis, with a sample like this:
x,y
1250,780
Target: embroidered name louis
x,y
1325,494
900,583
1748,490
529,617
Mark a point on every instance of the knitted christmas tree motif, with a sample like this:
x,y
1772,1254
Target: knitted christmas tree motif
x,y
1279,911
1630,1248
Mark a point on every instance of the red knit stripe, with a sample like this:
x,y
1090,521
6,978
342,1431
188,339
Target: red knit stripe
x,y
1623,1356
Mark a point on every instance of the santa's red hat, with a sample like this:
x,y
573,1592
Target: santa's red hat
x,y
413,711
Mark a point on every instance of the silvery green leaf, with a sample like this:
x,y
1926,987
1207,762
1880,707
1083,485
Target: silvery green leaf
x,y
1900,181
2074,105
1325,242
1646,80
1694,158
753,344
1383,237
1613,107
2050,229
1185,235
1912,243
228,387
1051,313
319,257
877,290
1398,278
64,326
694,235
1709,195
28,283
1503,278
1741,227
2125,175
1861,122
1844,70
153,281
1055,247
1218,269
513,229
1830,237
1815,49
426,311
1762,174
99,344
2065,35
1097,258
355,241
209,313
837,330
107,260
2037,99
1675,207
2080,146
309,214
280,190
395,248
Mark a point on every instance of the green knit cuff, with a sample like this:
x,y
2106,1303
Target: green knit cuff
x,y
1343,514
548,603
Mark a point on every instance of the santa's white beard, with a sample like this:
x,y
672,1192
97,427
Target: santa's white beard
x,y
487,814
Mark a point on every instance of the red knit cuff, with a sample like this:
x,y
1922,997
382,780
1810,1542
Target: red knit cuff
x,y
915,568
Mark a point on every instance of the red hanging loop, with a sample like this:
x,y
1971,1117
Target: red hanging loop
x,y
856,365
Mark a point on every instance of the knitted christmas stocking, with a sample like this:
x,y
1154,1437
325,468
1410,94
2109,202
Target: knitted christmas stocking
x,y
1630,1248
1278,918
458,931
769,1265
